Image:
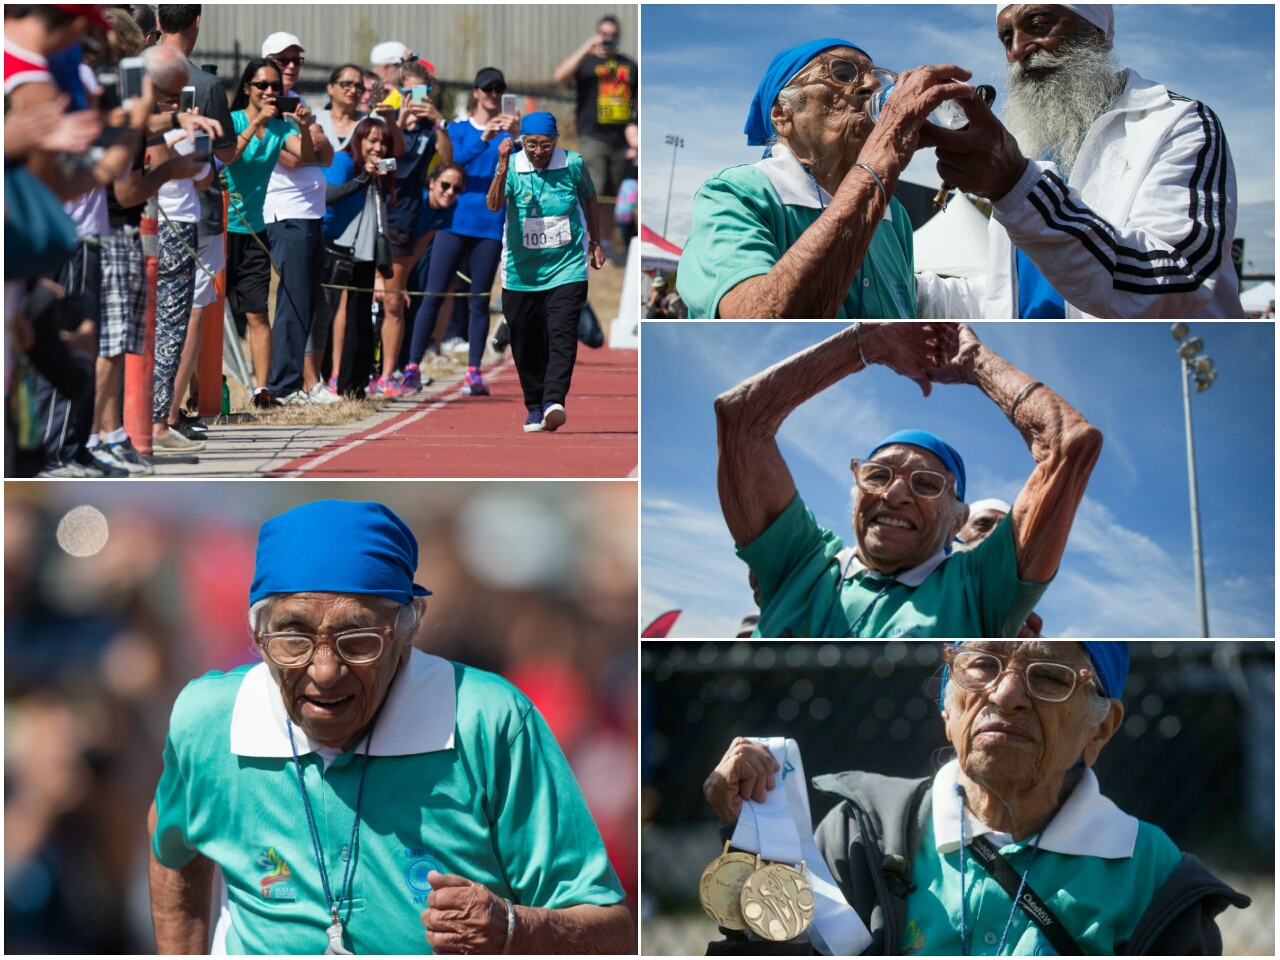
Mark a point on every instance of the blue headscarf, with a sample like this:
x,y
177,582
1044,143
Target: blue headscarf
x,y
759,128
1110,663
539,124
337,546
943,450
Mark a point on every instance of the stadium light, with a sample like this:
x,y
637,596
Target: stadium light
x,y
676,143
1200,369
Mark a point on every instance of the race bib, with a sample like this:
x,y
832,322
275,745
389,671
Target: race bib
x,y
544,233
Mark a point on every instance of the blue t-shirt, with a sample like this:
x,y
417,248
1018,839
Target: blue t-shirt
x,y
411,174
430,219
473,217
1037,300
338,216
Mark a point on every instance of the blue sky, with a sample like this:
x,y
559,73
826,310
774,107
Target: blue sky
x,y
1128,569
702,64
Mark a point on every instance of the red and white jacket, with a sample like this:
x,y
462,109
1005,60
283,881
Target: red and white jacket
x,y
22,66
1143,230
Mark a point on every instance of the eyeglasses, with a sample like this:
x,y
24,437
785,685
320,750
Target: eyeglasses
x,y
978,672
297,649
495,88
265,85
840,70
285,61
349,84
447,186
874,477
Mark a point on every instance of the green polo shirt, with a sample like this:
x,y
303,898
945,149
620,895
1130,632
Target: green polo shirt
x,y
974,594
538,198
1099,901
249,175
493,801
742,225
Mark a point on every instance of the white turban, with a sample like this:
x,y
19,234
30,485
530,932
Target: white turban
x,y
1101,15
989,504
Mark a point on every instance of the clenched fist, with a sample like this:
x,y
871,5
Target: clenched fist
x,y
463,917
747,772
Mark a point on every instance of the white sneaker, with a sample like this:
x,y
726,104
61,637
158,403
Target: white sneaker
x,y
322,395
297,398
455,345
174,442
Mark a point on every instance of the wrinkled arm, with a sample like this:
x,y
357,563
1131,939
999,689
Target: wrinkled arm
x,y
496,196
180,901
585,928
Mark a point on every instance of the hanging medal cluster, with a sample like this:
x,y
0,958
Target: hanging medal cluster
x,y
743,891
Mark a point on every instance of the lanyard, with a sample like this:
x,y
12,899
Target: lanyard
x,y
860,313
964,905
335,931
866,611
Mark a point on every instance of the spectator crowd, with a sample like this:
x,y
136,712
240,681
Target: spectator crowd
x,y
344,227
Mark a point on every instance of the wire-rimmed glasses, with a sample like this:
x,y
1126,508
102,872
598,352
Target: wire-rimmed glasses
x,y
362,645
871,476
978,671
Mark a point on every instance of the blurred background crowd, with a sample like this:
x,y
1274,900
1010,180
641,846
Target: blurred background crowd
x,y
1195,756
114,600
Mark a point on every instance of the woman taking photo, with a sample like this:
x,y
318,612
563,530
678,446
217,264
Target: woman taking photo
x,y
261,134
474,242
350,235
338,120
423,131
544,261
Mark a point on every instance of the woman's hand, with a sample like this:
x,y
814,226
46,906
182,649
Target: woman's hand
x,y
960,347
505,146
268,112
917,94
371,166
917,351
508,122
491,129
303,113
746,772
596,257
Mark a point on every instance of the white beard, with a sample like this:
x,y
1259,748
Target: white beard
x,y
1050,116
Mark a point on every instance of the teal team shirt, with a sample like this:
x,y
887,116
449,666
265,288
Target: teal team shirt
x,y
249,175
746,217
491,798
1098,900
544,239
803,593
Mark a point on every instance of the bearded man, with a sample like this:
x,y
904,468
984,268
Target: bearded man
x,y
1112,196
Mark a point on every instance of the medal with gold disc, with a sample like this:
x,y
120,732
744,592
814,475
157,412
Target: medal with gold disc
x,y
721,887
777,902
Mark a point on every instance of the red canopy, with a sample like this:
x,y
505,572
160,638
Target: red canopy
x,y
657,253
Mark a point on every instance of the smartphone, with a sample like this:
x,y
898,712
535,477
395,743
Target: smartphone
x,y
288,104
203,148
211,68
131,73
509,101
188,98
108,76
419,93
387,166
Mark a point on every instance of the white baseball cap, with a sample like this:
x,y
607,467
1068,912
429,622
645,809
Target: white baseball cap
x,y
390,52
279,43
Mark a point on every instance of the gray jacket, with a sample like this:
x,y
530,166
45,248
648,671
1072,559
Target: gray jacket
x,y
870,841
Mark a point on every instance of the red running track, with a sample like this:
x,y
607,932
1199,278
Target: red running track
x,y
451,435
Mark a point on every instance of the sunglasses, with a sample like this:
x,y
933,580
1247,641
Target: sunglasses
x,y
299,61
264,85
498,88
839,69
448,186
349,84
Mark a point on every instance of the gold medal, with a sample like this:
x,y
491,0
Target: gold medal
x,y
721,887
777,902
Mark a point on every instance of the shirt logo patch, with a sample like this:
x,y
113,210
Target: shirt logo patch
x,y
915,939
278,884
421,862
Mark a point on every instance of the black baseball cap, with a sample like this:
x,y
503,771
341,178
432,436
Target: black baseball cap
x,y
487,76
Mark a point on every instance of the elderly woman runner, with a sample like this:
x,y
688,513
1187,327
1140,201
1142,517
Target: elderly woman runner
x,y
546,246
918,860
361,794
812,230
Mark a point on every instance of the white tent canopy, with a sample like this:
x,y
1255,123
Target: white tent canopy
x,y
954,241
1259,299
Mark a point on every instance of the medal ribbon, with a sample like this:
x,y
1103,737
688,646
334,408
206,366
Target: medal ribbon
x,y
781,829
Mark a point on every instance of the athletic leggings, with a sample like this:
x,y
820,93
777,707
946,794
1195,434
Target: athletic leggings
x,y
478,258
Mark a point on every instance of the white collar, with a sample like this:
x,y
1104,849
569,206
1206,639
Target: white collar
x,y
850,566
22,53
1088,825
559,160
417,717
795,187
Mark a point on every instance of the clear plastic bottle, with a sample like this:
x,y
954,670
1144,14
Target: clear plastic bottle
x,y
949,114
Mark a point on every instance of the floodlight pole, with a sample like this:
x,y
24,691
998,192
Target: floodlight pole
x,y
676,144
1197,555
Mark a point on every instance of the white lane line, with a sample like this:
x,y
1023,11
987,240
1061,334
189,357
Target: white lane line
x,y
347,447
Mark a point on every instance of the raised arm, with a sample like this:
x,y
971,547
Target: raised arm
x,y
496,196
753,479
569,65
180,901
1063,443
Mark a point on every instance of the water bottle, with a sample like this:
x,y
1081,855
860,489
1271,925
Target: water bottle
x,y
949,114
226,397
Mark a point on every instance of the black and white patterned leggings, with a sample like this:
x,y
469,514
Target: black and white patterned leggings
x,y
174,293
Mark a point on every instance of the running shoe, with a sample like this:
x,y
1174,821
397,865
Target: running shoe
x,y
501,337
262,397
413,381
192,422
186,431
553,417
386,387
72,469
473,385
322,395
295,399
122,456
174,442
455,345
533,422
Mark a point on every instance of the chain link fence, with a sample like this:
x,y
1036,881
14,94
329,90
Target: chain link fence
x,y
1195,756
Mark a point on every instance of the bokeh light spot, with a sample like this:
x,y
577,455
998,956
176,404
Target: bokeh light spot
x,y
83,531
